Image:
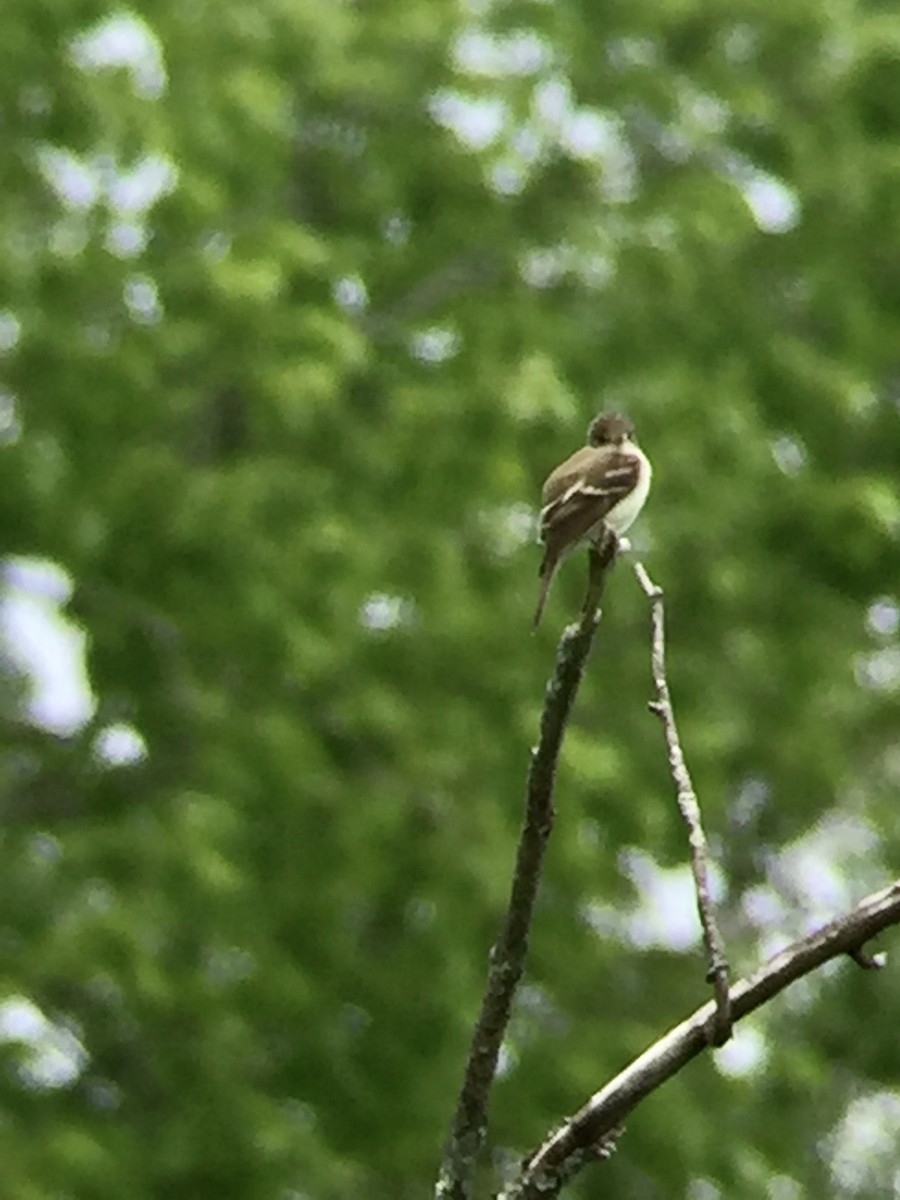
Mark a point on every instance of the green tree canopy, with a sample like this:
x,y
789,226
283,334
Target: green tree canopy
x,y
300,303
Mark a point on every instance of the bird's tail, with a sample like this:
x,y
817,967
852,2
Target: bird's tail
x,y
548,570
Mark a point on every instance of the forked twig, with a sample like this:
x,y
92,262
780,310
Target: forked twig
x,y
596,1124
690,812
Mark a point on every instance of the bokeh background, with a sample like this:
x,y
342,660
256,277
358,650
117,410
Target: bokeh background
x,y
300,300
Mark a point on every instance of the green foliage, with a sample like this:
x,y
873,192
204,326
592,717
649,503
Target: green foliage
x,y
299,309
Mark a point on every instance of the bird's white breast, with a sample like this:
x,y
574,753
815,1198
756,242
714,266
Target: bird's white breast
x,y
619,518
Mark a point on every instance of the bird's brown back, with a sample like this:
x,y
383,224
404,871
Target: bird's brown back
x,y
591,465
561,479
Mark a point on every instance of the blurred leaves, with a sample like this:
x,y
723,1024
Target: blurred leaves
x,y
280,419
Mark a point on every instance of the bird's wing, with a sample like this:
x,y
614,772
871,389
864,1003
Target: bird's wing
x,y
583,489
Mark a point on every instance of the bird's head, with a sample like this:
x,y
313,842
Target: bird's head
x,y
610,429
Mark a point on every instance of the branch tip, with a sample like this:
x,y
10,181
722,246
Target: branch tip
x,y
868,962
688,806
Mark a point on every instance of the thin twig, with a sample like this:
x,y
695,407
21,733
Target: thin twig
x,y
507,958
466,273
690,812
868,962
568,1149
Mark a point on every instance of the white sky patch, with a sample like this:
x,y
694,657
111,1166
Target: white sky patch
x,y
397,228
351,294
134,190
10,331
126,239
56,1056
590,134
523,52
547,265
667,913
552,101
486,122
782,1187
48,649
120,745
40,577
775,206
507,1061
507,178
695,128
124,40
81,182
883,617
790,454
825,871
764,908
508,529
141,297
862,1150
745,1053
665,916
44,848
434,345
381,612
880,672
10,425
477,122
703,1189
750,800
526,144
75,181
542,268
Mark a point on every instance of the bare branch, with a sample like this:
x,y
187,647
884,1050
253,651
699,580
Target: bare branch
x,y
570,1148
868,962
467,273
507,958
720,1029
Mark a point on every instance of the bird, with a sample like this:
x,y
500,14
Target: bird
x,y
601,487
